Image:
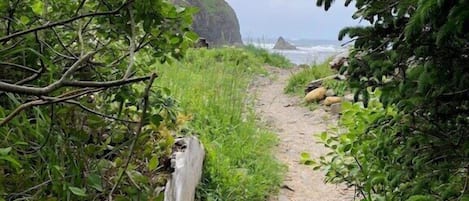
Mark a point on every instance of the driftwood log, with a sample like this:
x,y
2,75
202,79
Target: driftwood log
x,y
187,163
317,83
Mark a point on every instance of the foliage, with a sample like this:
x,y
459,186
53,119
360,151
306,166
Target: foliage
x,y
72,126
211,85
273,59
298,82
417,54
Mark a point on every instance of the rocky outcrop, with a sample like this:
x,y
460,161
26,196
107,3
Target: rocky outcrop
x,y
282,44
216,21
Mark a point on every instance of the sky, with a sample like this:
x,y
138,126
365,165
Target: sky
x,y
292,19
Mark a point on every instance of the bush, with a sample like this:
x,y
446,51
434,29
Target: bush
x,y
79,120
415,146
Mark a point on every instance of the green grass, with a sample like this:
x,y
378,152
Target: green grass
x,y
298,82
273,59
211,85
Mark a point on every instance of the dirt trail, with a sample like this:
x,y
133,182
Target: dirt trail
x,y
296,126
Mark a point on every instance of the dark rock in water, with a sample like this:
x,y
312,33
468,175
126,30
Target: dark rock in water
x,y
216,21
282,44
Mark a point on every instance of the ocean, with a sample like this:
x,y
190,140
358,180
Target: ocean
x,y
309,51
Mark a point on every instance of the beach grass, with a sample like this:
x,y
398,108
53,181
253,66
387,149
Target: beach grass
x,y
272,59
211,85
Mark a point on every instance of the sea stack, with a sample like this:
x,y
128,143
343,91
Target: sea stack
x,y
282,44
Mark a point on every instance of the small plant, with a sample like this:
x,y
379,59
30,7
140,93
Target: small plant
x,y
338,86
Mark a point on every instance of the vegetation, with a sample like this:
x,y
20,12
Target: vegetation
x,y
79,117
211,86
338,86
411,142
298,82
272,59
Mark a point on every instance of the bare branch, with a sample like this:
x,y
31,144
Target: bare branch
x,y
62,44
45,90
98,113
107,84
82,3
19,66
44,102
131,45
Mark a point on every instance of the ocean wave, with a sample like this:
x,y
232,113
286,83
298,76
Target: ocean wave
x,y
305,54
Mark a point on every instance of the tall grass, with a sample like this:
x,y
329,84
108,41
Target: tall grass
x,y
298,82
212,85
273,59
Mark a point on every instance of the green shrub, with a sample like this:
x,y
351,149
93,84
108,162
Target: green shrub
x,y
298,82
382,163
273,59
88,126
416,53
211,86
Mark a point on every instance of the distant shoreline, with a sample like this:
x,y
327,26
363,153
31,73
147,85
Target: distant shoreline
x,y
308,52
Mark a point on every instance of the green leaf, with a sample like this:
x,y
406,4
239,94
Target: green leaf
x,y
78,191
5,151
38,7
94,181
24,19
156,119
192,36
305,155
12,161
323,136
153,163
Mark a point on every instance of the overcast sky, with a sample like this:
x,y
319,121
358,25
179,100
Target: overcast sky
x,y
293,19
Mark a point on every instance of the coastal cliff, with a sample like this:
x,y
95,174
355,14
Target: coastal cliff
x,y
216,21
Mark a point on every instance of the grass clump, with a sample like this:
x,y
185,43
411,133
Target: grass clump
x,y
298,82
273,59
211,85
340,87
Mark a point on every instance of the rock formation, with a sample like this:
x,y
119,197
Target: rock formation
x,y
282,44
216,21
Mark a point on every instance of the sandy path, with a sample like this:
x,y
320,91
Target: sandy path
x,y
296,126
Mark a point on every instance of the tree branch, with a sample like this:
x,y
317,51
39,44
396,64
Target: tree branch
x,y
131,45
98,113
54,24
107,84
44,102
45,90
139,131
19,66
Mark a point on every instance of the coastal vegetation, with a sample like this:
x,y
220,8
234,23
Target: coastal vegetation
x,y
121,92
408,139
211,85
